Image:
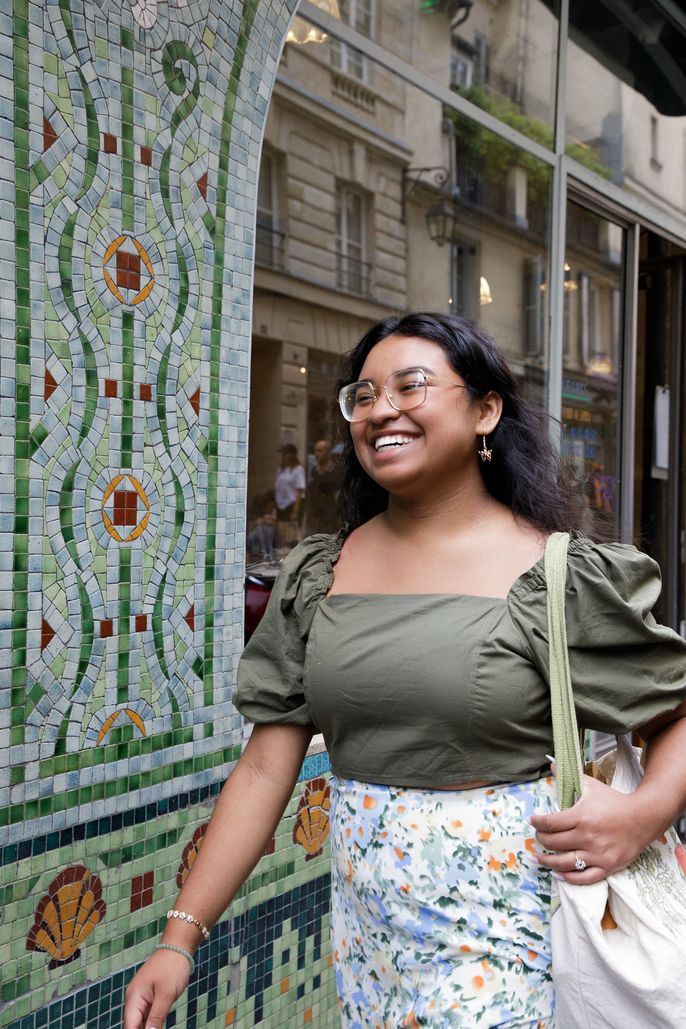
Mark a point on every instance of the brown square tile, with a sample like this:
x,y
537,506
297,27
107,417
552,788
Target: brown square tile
x,y
142,890
106,628
125,510
109,143
146,391
141,623
146,155
128,270
110,387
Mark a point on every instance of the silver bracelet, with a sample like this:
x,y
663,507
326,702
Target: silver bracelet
x,y
178,950
185,917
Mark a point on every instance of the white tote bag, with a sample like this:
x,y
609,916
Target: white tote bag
x,y
618,946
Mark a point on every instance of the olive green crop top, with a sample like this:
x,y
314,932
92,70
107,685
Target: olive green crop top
x,y
432,690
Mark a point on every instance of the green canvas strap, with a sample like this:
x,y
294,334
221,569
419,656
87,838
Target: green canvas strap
x,y
569,767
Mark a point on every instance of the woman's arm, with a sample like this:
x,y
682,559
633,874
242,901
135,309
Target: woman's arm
x,y
248,810
608,829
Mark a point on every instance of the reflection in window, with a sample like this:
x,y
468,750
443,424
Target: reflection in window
x,y
352,269
465,292
534,300
360,15
503,60
592,353
269,241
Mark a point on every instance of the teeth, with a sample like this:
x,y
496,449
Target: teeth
x,y
391,441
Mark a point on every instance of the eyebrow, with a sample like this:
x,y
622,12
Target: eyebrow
x,y
409,368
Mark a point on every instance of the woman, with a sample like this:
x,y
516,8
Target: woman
x,y
416,641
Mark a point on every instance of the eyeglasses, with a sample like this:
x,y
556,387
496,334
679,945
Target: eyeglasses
x,y
405,390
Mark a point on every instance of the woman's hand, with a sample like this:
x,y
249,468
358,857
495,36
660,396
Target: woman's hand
x,y
154,988
605,829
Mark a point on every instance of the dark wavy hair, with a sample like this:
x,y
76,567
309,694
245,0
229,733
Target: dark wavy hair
x,y
525,472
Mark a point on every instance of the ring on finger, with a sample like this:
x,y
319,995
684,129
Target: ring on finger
x,y
579,863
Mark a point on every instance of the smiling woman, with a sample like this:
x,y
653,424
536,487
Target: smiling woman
x,y
415,640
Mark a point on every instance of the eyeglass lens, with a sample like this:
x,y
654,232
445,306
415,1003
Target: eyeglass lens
x,y
405,390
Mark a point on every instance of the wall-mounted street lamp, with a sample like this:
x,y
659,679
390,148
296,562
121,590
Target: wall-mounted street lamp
x,y
441,221
441,216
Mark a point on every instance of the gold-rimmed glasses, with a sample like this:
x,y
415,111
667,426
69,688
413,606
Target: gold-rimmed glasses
x,y
405,390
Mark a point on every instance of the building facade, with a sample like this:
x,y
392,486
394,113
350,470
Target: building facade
x,y
202,207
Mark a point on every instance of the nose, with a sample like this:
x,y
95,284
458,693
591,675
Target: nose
x,y
382,408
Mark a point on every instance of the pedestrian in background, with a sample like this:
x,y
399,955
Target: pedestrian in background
x,y
289,492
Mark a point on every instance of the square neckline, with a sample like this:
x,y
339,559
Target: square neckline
x,y
519,581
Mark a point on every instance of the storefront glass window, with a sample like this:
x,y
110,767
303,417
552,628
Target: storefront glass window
x,y
380,203
626,97
501,56
503,60
593,291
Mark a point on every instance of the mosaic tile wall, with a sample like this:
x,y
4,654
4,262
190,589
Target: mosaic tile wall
x,y
130,135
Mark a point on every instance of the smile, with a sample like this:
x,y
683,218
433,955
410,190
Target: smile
x,y
391,442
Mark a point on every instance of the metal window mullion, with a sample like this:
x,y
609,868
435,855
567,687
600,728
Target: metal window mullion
x,y
556,258
556,294
671,225
675,417
628,352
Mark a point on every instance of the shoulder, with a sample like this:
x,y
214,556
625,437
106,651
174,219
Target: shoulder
x,y
307,571
621,566
606,584
591,561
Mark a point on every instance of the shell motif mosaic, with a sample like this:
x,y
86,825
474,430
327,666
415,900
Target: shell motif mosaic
x,y
67,915
312,819
190,852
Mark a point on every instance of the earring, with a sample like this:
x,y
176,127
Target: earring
x,y
485,454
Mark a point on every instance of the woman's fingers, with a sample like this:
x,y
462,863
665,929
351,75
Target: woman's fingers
x,y
148,1009
160,1009
557,821
136,1010
592,874
573,839
154,988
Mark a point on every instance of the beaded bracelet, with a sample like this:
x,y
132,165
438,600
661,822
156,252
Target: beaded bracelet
x,y
178,950
185,917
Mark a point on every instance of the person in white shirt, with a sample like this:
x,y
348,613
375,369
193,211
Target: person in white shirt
x,y
289,486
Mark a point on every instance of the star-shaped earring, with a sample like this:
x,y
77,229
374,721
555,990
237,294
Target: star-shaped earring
x,y
485,454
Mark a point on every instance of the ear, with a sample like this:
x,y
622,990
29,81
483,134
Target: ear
x,y
490,410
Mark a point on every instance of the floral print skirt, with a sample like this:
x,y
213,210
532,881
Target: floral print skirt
x,y
440,913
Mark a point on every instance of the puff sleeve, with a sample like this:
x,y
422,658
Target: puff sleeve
x,y
270,672
626,668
